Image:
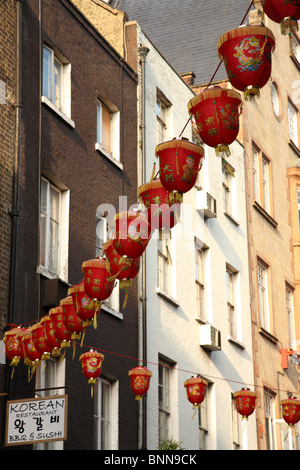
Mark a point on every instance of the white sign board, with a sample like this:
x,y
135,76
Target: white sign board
x,y
36,420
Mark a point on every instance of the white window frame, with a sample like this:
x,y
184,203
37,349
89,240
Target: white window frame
x,y
164,397
62,106
62,247
231,294
261,172
293,122
235,425
203,422
269,408
163,117
106,421
290,317
112,153
263,295
200,281
166,271
298,207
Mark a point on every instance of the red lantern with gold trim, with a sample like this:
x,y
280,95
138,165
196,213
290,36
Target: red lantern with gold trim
x,y
140,381
285,12
161,214
39,341
179,163
52,341
247,54
60,330
245,402
87,309
32,358
132,234
13,346
216,113
91,366
71,320
96,279
195,390
290,410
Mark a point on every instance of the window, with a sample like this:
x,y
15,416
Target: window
x,y
164,400
203,422
231,301
105,414
276,101
200,282
235,425
162,117
293,119
108,129
298,207
262,286
56,86
269,420
261,171
54,226
295,47
164,268
228,188
290,317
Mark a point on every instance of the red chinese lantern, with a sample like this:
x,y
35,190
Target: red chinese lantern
x,y
285,12
132,234
60,330
96,279
290,410
161,214
245,402
247,53
51,340
140,381
72,321
13,346
195,390
39,341
91,366
32,358
87,309
216,112
179,163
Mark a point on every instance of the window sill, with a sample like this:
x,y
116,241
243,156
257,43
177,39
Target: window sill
x,y
265,214
231,218
167,297
62,115
294,147
108,156
236,342
49,274
107,308
268,335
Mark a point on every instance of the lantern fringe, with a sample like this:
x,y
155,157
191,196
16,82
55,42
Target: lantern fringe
x,y
221,150
287,25
213,93
169,257
153,172
125,299
95,321
251,92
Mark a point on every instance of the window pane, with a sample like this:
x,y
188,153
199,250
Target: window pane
x,y
265,177
293,127
106,129
47,73
53,246
43,222
57,84
54,204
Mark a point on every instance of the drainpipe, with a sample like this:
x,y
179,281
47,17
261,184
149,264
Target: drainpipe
x,y
15,212
143,51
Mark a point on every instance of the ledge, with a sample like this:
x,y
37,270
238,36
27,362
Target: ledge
x,y
268,335
62,115
107,308
265,214
167,297
231,218
236,342
108,156
294,147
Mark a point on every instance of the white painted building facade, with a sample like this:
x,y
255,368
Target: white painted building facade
x,y
209,268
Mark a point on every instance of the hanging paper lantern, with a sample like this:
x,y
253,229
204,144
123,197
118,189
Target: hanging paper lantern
x,y
247,53
72,321
216,112
179,164
245,402
32,358
60,330
132,234
195,390
39,341
91,366
290,410
140,381
96,283
13,346
86,308
51,340
161,214
285,12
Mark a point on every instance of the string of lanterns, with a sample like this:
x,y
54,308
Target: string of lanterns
x,y
247,53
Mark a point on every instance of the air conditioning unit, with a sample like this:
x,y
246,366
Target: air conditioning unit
x,y
206,203
210,337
